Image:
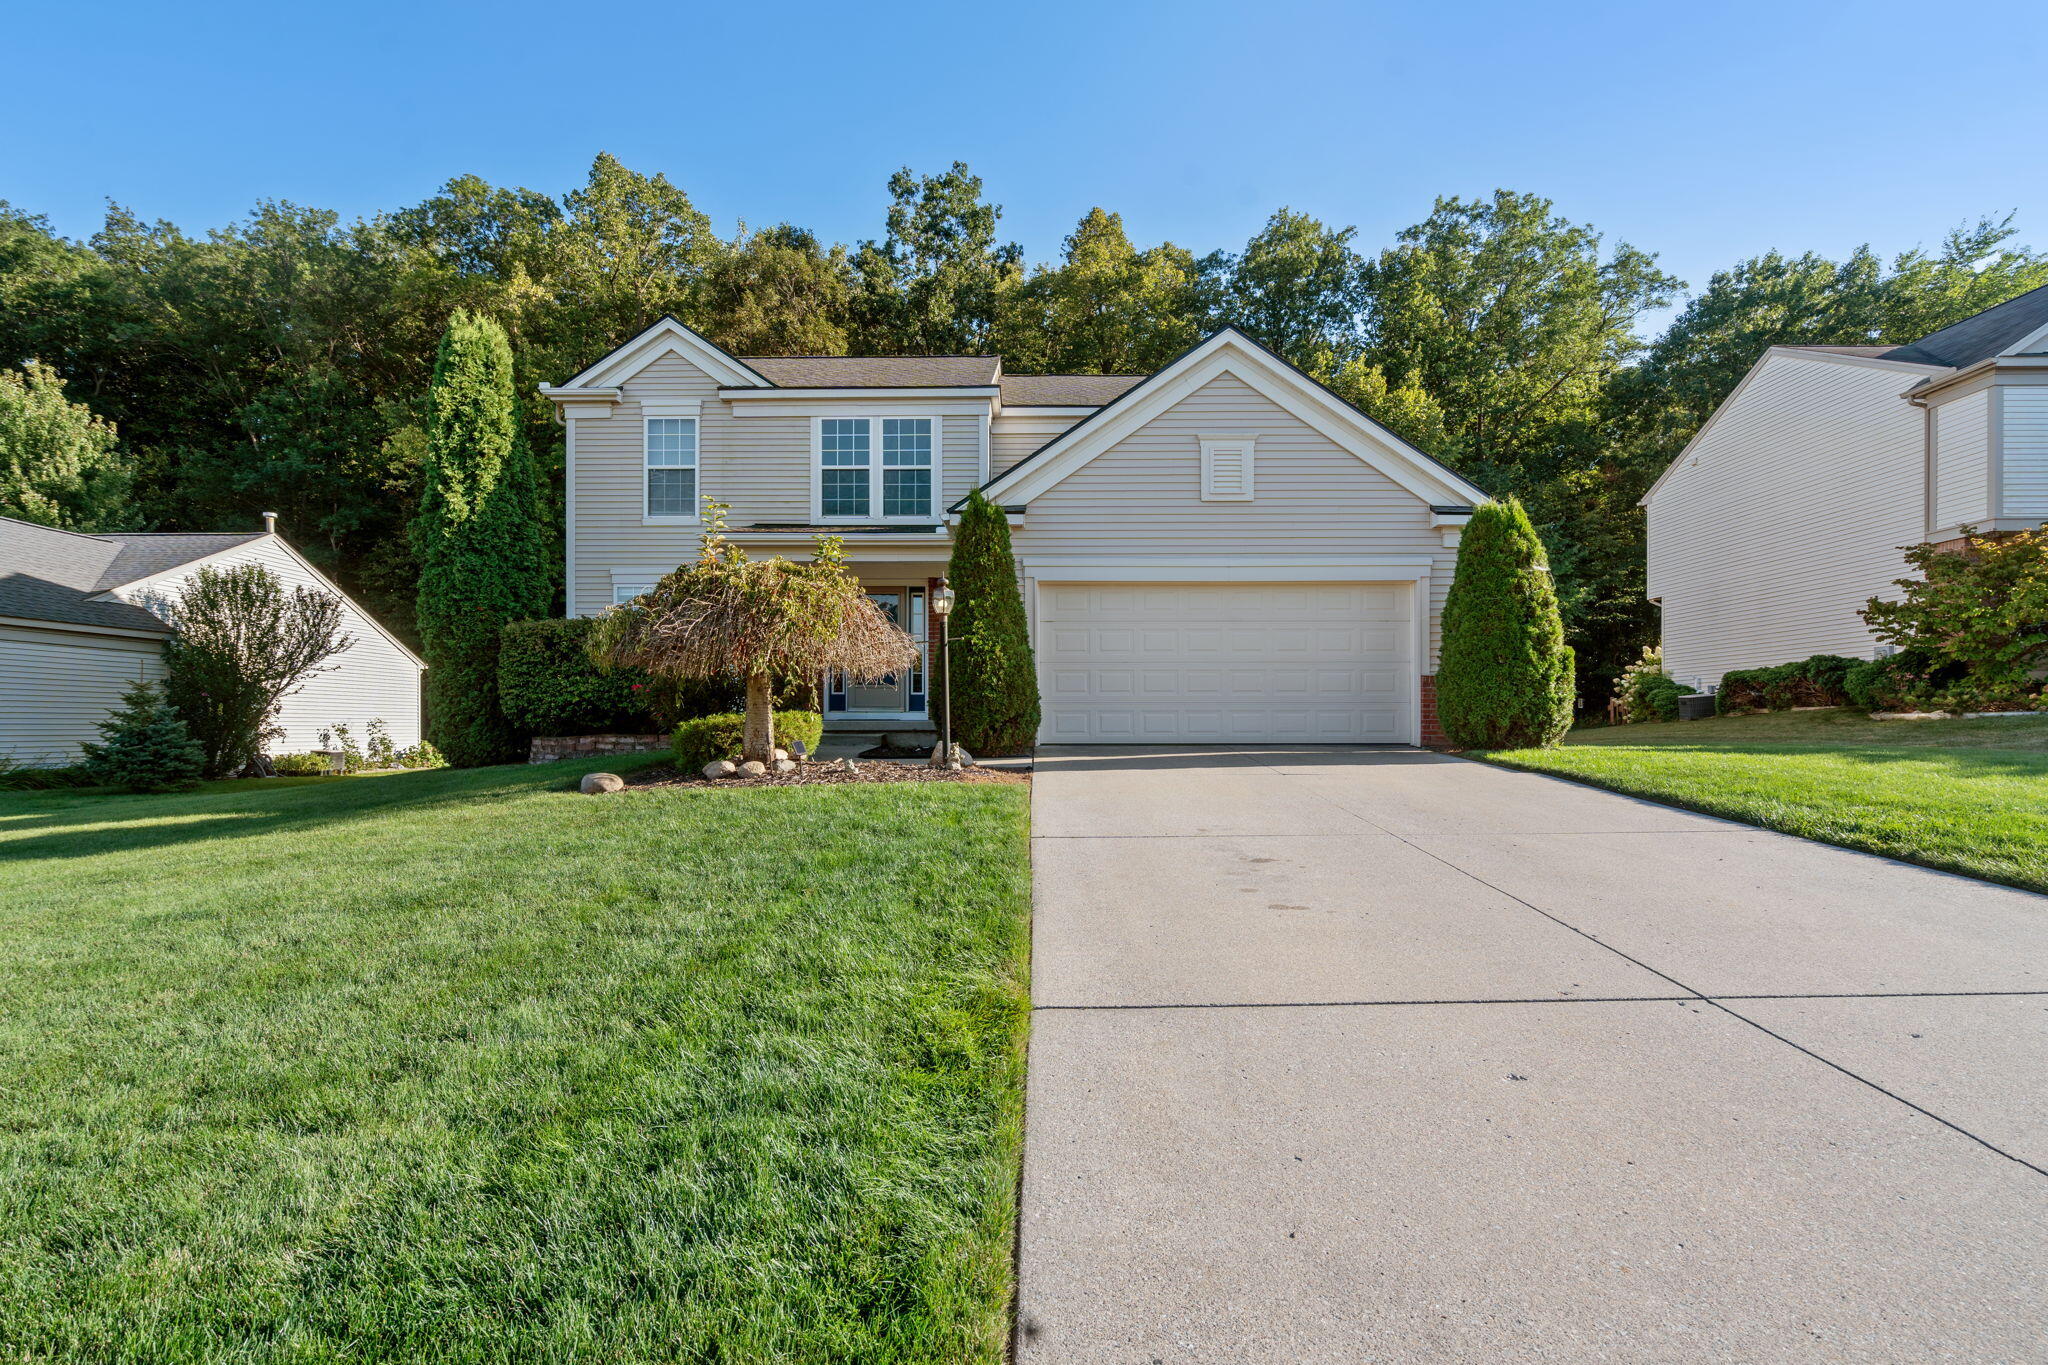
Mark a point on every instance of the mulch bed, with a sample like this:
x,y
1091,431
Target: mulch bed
x,y
822,775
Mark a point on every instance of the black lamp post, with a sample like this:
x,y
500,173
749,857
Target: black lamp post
x,y
942,607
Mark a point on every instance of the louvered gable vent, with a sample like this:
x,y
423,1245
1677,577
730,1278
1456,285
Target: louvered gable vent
x,y
1226,469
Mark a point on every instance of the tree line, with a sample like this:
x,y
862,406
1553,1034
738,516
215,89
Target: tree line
x,y
154,378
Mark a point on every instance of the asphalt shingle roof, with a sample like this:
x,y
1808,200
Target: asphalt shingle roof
x,y
1066,390
52,575
1991,332
875,372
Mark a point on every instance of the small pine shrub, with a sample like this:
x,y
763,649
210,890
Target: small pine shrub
x,y
710,738
145,747
1506,676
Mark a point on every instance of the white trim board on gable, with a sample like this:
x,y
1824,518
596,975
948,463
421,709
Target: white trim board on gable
x,y
666,337
1230,352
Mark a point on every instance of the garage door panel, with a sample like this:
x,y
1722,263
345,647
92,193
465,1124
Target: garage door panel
x,y
1251,662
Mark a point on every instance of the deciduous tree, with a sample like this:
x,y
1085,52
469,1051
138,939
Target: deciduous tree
x,y
60,464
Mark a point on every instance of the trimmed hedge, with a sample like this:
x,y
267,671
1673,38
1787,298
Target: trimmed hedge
x,y
710,738
548,685
1819,681
1505,680
1655,697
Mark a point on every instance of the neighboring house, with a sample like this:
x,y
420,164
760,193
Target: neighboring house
x,y
80,620
1222,551
1788,511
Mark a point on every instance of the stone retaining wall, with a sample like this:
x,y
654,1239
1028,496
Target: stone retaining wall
x,y
547,749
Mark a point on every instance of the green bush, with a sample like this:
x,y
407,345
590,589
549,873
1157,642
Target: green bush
x,y
1506,679
1819,681
421,755
145,747
548,684
300,765
710,738
1906,681
1646,691
1980,613
993,680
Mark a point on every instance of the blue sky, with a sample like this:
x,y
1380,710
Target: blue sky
x,y
1703,132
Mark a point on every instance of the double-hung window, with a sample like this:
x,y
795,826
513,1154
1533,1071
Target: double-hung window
x,y
672,468
875,467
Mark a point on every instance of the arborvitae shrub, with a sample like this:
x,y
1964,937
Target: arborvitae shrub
x,y
1506,676
994,682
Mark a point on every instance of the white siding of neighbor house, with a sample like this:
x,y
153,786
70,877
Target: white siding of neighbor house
x,y
1962,461
2025,428
1787,516
1142,496
1018,432
759,465
372,679
59,685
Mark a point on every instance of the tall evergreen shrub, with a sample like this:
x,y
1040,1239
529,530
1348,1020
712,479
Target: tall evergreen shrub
x,y
479,538
995,686
144,746
1506,678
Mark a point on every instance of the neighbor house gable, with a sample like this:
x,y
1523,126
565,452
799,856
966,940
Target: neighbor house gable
x,y
1232,353
1775,356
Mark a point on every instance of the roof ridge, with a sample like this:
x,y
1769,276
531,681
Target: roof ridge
x,y
59,530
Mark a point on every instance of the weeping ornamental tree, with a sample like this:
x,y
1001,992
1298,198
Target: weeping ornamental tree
x,y
479,539
727,617
1506,677
995,687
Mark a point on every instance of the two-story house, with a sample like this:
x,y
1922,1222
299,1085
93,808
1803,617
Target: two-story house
x,y
1788,510
1222,551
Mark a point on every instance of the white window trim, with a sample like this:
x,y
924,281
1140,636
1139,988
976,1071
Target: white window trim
x,y
668,410
631,582
932,515
1213,444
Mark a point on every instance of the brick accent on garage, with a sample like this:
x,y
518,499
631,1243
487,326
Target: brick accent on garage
x,y
1432,733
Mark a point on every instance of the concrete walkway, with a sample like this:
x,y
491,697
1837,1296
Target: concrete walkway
x,y
1349,1056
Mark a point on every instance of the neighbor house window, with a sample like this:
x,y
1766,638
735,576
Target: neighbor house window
x,y
622,593
853,482
672,467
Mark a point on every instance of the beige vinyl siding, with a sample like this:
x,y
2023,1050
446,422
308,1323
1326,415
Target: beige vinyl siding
x,y
756,458
1142,496
57,686
1962,463
2024,425
1018,432
372,679
1786,517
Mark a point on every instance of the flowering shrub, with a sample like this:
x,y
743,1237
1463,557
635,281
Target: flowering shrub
x,y
1646,691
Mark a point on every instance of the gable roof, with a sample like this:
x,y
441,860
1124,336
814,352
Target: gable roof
x,y
1992,332
1231,351
54,575
1066,390
877,372
666,337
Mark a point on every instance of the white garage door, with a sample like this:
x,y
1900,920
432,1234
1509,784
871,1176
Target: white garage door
x,y
1165,663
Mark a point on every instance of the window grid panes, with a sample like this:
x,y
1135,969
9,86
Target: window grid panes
x,y
906,466
843,451
671,466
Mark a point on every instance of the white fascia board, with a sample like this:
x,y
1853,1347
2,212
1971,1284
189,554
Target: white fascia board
x,y
1026,411
858,403
1945,380
1228,353
1793,353
1268,568
667,337
2030,344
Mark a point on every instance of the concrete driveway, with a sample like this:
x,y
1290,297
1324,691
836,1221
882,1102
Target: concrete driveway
x,y
1377,1055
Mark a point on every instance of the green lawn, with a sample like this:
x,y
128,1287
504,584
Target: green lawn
x,y
466,1067
1963,795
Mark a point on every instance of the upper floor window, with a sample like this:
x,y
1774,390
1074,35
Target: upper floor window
x,y
672,467
854,483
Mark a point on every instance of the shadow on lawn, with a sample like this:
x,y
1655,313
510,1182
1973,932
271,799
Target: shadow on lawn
x,y
124,822
1965,763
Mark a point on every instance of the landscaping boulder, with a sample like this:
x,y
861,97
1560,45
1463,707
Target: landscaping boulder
x,y
753,768
597,784
961,758
784,765
720,767
781,754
